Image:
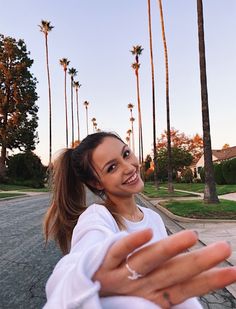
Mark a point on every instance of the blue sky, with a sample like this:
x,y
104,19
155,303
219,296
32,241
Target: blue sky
x,y
97,36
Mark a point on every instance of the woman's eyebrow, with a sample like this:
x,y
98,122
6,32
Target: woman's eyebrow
x,y
113,160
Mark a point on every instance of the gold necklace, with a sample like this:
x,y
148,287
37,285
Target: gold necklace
x,y
136,217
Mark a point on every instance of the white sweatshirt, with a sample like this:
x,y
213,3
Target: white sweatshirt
x,y
70,285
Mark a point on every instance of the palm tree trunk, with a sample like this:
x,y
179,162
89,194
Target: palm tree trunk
x,y
153,96
72,114
87,120
139,121
50,101
77,108
66,114
169,167
132,128
210,195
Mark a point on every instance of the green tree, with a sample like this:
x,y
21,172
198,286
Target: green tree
x,y
180,160
210,195
18,110
137,51
26,169
45,28
72,72
64,63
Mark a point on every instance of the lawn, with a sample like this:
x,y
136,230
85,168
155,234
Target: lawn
x,y
197,209
8,187
151,191
4,194
199,187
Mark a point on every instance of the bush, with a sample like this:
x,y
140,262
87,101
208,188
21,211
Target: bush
x,y
26,169
202,174
229,171
187,175
219,178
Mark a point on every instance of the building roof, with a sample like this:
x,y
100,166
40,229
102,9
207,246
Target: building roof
x,y
224,154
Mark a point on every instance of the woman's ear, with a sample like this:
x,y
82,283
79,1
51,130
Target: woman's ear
x,y
97,185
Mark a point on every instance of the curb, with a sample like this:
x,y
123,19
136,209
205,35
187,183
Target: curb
x,y
183,219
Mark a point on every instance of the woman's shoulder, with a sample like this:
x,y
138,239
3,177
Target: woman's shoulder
x,y
96,214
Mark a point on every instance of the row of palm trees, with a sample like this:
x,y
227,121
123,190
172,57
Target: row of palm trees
x,y
45,28
210,195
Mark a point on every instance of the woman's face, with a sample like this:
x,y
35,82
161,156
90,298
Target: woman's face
x,y
117,168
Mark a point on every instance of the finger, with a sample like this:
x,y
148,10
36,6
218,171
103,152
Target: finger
x,y
150,257
202,284
185,266
123,247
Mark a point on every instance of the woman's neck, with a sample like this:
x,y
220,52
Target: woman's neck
x,y
125,207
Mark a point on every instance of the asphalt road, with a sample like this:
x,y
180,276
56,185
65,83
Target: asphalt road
x,y
25,262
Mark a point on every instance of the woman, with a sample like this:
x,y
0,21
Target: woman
x,y
118,254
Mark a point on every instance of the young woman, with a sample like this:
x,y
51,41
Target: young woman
x,y
118,254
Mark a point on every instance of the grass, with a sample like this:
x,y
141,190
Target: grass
x,y
3,194
199,187
197,209
8,187
151,191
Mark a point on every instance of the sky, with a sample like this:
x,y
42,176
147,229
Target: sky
x,y
97,36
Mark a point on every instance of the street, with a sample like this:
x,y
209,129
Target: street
x,y
26,263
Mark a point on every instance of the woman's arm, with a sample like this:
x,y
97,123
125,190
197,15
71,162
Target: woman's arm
x,y
170,276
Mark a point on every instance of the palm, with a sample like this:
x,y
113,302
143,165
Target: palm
x,y
137,51
72,72
64,62
45,28
77,85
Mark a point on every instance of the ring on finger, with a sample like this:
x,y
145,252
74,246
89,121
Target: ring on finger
x,y
134,275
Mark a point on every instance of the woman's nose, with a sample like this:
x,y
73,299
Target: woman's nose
x,y
128,167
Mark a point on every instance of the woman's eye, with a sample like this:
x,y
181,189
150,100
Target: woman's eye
x,y
126,153
111,168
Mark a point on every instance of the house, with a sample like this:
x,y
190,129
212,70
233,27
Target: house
x,y
217,157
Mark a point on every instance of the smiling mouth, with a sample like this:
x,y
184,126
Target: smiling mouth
x,y
131,180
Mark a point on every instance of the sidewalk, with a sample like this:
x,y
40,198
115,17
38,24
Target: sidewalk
x,y
209,231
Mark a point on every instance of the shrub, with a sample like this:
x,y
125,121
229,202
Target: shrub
x,y
219,177
229,171
187,175
202,174
26,169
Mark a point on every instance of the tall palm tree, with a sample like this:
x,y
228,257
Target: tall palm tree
x,y
128,140
64,62
132,119
77,85
137,51
45,28
153,94
86,104
170,171
72,72
129,132
130,107
210,195
94,122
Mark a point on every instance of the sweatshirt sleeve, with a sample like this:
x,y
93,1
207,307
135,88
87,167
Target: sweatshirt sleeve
x,y
70,285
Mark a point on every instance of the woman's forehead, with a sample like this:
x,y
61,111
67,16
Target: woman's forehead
x,y
109,149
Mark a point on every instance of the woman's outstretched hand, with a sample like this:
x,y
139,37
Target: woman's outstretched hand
x,y
170,275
